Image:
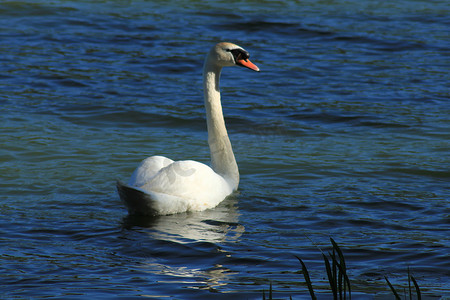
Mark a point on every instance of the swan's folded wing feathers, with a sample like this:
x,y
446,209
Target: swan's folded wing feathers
x,y
195,182
180,186
147,169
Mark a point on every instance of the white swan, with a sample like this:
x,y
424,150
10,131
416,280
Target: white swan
x,y
161,186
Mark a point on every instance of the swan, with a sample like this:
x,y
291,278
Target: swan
x,y
161,186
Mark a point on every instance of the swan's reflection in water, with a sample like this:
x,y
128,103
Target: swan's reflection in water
x,y
216,225
188,247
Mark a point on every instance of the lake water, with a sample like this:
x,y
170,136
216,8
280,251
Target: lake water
x,y
343,134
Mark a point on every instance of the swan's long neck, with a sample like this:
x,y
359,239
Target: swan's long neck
x,y
222,157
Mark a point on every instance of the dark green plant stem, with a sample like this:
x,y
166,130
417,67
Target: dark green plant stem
x,y
333,259
307,279
342,271
419,295
270,291
397,297
331,278
409,285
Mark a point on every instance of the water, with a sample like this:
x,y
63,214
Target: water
x,y
343,134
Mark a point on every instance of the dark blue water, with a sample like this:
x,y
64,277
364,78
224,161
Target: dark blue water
x,y
344,134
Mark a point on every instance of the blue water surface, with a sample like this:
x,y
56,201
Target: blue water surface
x,y
343,134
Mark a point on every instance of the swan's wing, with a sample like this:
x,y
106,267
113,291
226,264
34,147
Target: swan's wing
x,y
193,181
178,187
147,169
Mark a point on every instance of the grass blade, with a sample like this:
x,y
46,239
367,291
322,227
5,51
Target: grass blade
x,y
307,279
341,263
341,255
331,278
343,271
419,295
335,271
397,297
409,284
343,276
270,291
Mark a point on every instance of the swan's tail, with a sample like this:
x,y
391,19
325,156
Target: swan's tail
x,y
137,202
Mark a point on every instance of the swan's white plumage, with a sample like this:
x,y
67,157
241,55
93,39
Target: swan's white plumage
x,y
164,186
179,186
148,169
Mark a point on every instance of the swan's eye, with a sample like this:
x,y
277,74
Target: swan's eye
x,y
239,54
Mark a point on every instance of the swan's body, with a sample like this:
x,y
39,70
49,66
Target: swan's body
x,y
161,186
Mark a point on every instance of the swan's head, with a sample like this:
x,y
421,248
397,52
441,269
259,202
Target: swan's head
x,y
228,54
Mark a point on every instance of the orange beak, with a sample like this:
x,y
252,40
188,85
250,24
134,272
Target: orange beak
x,y
248,64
